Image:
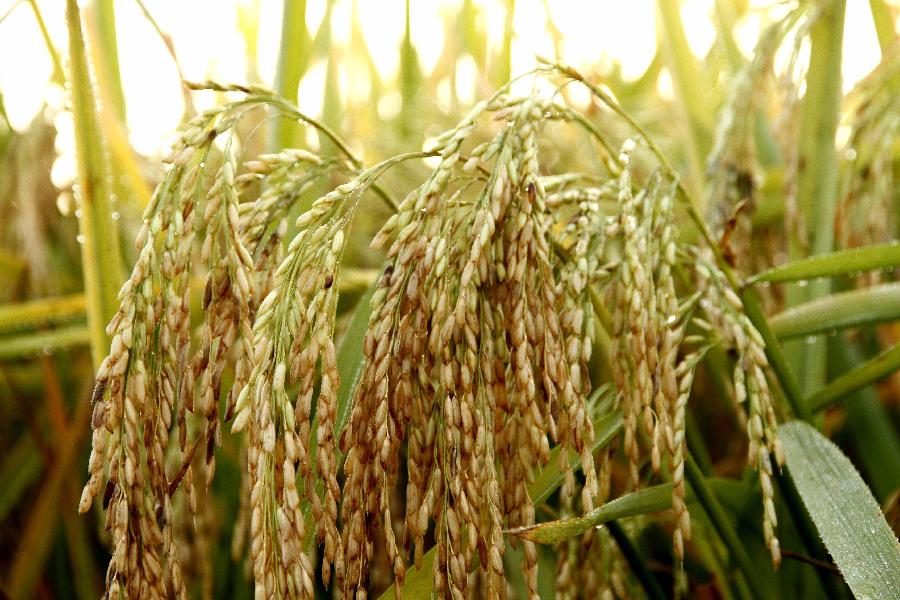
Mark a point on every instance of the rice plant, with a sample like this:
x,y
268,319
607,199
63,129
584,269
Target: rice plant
x,y
564,369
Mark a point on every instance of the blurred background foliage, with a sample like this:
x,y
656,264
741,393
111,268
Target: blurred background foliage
x,y
387,76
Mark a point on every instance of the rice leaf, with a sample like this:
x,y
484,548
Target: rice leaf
x,y
350,357
844,511
865,374
832,264
647,500
37,313
350,361
32,343
843,310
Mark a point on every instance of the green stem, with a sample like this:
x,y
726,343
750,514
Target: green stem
x,y
101,261
504,61
635,561
410,79
883,17
817,178
48,42
723,526
332,111
103,19
293,58
688,85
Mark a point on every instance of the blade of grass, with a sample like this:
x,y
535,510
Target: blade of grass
x,y
19,346
848,518
101,261
39,313
350,359
861,377
418,580
844,310
641,502
832,264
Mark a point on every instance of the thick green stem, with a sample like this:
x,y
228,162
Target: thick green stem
x,y
293,58
504,60
410,79
817,178
106,58
99,237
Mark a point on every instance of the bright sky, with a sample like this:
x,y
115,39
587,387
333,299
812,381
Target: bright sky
x,y
209,45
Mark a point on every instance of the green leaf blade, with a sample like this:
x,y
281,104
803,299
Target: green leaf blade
x,y
647,500
844,511
843,310
832,264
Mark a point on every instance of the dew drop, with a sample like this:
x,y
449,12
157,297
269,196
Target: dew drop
x,y
77,213
115,215
79,238
803,283
810,340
